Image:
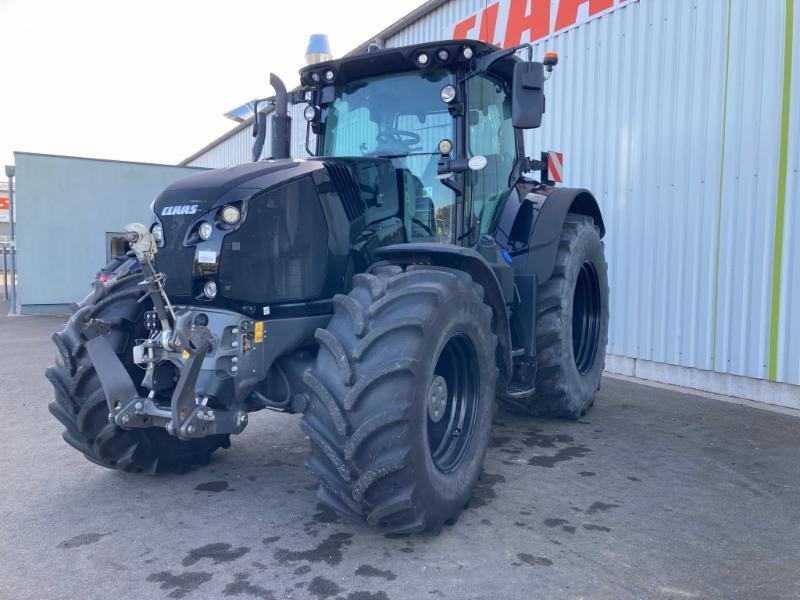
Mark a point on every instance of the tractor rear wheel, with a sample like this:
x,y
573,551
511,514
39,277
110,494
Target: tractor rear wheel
x,y
402,397
80,404
571,326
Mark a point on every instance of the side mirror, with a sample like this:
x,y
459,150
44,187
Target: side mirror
x,y
447,166
527,100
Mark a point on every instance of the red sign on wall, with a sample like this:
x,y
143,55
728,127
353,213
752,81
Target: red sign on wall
x,y
3,203
508,23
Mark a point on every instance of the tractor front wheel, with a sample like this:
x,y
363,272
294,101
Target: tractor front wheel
x,y
402,397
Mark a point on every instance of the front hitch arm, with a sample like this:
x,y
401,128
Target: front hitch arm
x,y
188,417
183,397
189,412
114,378
144,247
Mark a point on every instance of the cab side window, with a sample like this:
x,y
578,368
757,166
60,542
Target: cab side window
x,y
492,135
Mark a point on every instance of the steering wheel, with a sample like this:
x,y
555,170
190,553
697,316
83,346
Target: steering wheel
x,y
398,136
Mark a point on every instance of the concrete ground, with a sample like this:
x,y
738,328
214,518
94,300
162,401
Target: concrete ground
x,y
654,494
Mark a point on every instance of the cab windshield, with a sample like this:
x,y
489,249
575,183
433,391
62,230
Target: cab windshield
x,y
399,116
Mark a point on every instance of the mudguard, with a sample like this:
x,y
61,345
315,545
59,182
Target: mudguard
x,y
469,261
540,224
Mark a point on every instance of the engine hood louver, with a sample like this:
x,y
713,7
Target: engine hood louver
x,y
347,186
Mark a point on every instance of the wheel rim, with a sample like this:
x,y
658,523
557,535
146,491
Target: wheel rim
x,y
452,403
586,315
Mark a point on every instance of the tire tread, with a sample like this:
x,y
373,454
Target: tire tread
x,y
363,462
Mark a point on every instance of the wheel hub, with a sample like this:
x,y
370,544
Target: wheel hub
x,y
586,318
437,398
453,403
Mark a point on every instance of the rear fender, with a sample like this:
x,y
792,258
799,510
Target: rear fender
x,y
469,261
551,206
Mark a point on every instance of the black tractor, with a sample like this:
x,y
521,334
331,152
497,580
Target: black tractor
x,y
392,287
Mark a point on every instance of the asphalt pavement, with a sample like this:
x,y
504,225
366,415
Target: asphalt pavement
x,y
654,494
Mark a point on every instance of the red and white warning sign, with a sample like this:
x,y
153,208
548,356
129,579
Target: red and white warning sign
x,y
555,166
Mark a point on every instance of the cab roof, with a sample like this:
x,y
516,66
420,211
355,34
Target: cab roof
x,y
404,58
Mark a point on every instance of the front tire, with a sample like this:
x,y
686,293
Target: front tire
x,y
402,398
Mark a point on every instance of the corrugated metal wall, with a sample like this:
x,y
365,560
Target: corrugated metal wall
x,y
237,149
438,24
299,125
788,363
638,105
671,112
233,151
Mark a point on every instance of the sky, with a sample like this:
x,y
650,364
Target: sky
x,y
149,80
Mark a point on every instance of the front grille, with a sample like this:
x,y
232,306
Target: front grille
x,y
173,260
280,252
347,186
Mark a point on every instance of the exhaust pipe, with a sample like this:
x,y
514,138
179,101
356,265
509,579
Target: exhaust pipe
x,y
281,121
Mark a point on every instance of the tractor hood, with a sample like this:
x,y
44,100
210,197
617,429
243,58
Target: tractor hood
x,y
195,194
290,218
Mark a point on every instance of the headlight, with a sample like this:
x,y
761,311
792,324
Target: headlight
x,y
443,55
448,94
310,113
205,230
230,215
467,52
445,147
158,233
328,76
210,289
422,59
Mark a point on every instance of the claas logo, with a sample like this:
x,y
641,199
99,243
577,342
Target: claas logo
x,y
509,23
182,209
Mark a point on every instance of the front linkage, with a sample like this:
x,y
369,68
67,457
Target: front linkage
x,y
182,340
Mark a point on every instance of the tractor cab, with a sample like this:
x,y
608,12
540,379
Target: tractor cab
x,y
443,114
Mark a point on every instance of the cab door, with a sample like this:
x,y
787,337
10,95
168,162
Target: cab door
x,y
490,133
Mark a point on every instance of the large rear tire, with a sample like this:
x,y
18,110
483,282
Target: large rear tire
x,y
80,404
571,326
402,398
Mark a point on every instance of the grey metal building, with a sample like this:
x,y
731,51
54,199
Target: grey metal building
x,y
678,114
70,212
